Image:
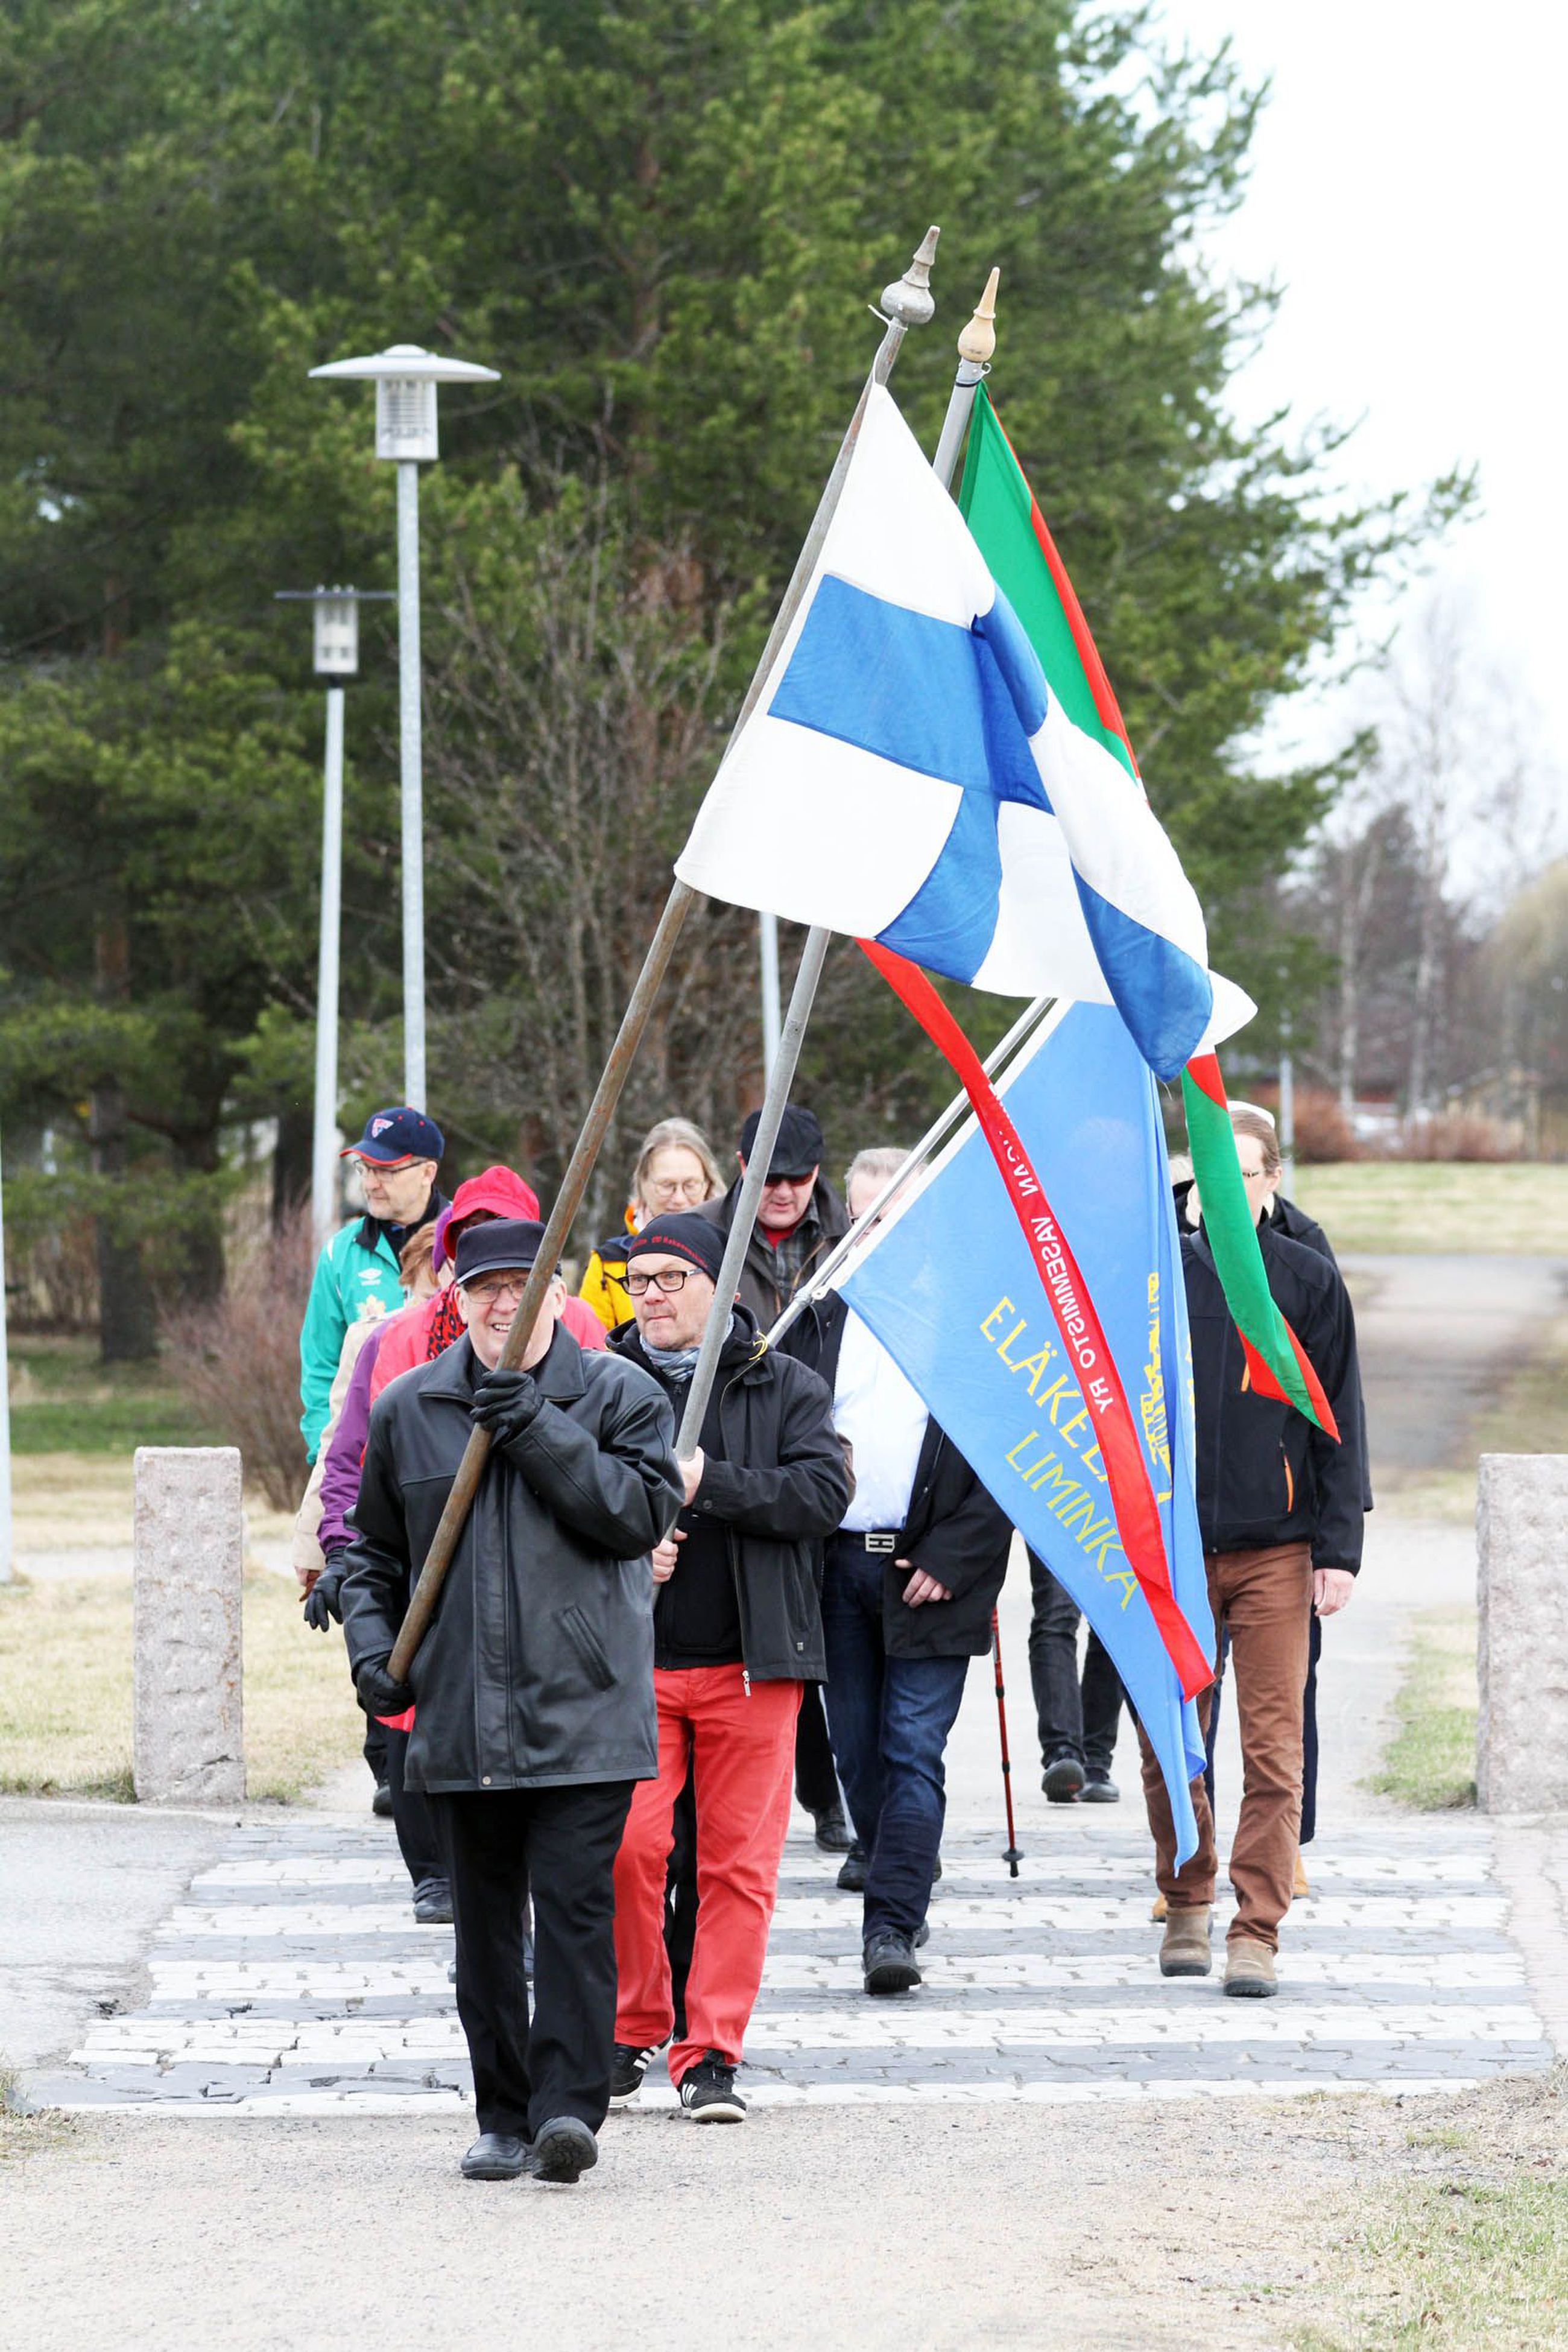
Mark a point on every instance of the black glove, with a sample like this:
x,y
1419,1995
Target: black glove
x,y
505,1403
323,1600
379,1695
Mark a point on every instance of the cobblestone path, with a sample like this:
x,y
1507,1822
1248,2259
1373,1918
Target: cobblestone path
x,y
292,1980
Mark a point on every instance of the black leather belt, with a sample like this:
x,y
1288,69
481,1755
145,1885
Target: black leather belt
x,y
871,1538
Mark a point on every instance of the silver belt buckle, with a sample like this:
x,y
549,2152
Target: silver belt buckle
x,y
879,1542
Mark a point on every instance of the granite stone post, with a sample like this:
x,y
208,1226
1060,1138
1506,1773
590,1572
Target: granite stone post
x,y
1522,1526
189,1745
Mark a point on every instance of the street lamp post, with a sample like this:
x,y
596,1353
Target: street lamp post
x,y
405,378
6,1522
337,649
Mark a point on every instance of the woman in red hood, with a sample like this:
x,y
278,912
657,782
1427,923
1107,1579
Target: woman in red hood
x,y
415,1334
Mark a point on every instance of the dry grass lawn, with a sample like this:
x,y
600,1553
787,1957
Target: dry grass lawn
x,y
1509,1208
65,1690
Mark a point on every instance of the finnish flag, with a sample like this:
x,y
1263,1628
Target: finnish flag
x,y
908,776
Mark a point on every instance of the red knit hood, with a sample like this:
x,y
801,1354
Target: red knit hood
x,y
501,1191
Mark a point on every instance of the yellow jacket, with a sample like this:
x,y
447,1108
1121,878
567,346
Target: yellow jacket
x,y
603,1284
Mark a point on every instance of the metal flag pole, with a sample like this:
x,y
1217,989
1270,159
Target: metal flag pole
x,y
906,304
768,945
911,290
930,1143
976,344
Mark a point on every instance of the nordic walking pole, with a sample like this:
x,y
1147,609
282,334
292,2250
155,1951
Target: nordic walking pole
x,y
912,289
1013,1855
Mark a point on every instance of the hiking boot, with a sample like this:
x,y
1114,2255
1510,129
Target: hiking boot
x,y
852,1871
1183,1950
1158,1907
709,2094
890,1963
381,1803
834,1834
1099,1789
1063,1779
628,2064
563,2150
1302,1884
433,1903
1249,1969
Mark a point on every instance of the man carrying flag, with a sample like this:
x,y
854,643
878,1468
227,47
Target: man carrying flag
x,y
1282,1509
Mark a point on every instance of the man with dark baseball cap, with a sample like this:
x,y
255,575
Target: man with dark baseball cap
x,y
397,1157
533,1688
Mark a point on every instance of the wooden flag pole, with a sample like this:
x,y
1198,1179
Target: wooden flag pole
x,y
904,304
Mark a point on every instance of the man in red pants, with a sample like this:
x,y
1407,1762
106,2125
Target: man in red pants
x,y
737,1632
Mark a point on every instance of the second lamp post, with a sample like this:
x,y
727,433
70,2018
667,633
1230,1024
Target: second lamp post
x,y
405,378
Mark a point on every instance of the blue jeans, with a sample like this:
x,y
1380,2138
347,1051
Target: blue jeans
x,y
890,1718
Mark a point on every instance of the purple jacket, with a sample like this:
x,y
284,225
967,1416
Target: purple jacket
x,y
345,1454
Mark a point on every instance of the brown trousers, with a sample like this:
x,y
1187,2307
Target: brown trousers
x,y
1264,1600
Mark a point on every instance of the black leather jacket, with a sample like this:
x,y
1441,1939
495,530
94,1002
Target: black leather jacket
x,y
539,1664
777,1484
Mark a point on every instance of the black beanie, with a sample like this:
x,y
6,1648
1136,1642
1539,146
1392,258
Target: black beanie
x,y
696,1239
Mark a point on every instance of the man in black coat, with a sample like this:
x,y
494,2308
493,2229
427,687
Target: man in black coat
x,y
1282,1509
799,1219
532,1689
911,1580
738,1636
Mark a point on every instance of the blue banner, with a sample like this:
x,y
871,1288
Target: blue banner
x,y
948,1286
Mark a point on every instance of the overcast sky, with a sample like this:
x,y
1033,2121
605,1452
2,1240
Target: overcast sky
x,y
1407,191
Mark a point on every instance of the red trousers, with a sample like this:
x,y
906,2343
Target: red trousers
x,y
741,1751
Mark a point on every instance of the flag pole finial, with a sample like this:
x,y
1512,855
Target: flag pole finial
x,y
979,340
909,300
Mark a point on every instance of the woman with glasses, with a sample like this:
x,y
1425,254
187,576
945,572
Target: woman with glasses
x,y
675,1170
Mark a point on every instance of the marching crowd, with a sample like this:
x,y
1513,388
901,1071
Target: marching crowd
x,y
638,1656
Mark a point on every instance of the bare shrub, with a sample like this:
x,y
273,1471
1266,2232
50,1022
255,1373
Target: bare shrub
x,y
1459,1135
238,1362
1324,1132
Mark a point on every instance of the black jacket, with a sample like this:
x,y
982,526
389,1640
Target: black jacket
x,y
761,1292
775,1481
955,1531
1282,1216
539,1664
1265,1475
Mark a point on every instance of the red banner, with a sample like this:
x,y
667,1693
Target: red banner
x,y
1131,1495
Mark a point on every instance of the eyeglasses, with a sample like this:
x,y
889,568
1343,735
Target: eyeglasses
x,y
678,1187
490,1294
669,1277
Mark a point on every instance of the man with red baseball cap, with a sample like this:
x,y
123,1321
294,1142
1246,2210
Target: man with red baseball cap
x,y
397,1157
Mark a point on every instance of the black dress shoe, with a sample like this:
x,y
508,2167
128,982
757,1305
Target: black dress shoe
x,y
834,1834
495,2156
381,1803
1063,1779
852,1871
433,1903
1101,1789
563,2149
889,1963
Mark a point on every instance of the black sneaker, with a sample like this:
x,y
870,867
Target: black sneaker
x,y
834,1834
890,1963
1101,1789
852,1873
433,1903
1063,1779
709,2094
628,2064
381,1803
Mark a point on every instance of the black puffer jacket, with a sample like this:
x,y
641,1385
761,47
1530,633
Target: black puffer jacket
x,y
761,1292
539,1664
1265,1475
775,1481
954,1531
